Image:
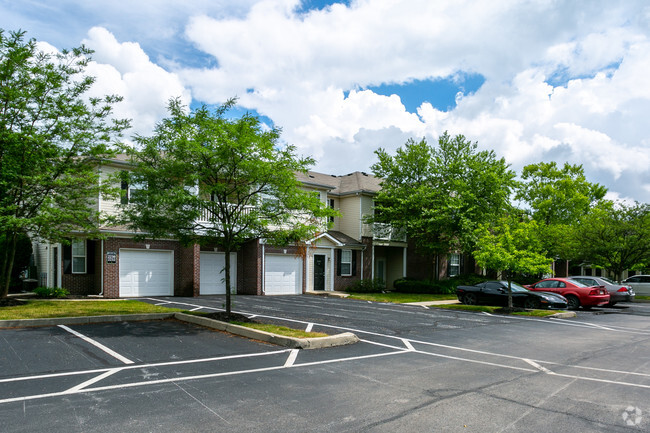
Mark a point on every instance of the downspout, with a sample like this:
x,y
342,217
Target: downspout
x,y
263,263
101,270
332,268
404,264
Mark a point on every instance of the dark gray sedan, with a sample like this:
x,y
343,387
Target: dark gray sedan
x,y
617,292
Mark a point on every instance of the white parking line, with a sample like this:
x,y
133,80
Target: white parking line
x,y
292,358
97,345
309,327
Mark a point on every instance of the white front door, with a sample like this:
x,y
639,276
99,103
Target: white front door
x,y
213,274
146,273
282,274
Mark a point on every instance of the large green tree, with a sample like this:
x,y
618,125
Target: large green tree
x,y
441,193
558,198
210,179
511,246
615,236
51,135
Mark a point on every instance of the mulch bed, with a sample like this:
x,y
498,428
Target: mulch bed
x,y
10,302
222,316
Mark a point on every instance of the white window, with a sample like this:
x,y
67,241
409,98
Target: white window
x,y
454,265
346,262
79,256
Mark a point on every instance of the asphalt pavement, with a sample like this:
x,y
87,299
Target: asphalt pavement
x,y
415,369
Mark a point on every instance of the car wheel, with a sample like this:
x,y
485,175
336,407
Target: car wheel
x,y
531,303
573,303
470,299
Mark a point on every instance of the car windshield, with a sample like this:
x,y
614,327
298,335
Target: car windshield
x,y
579,284
515,287
607,280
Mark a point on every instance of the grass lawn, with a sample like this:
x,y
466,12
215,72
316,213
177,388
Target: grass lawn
x,y
41,309
497,310
400,298
281,330
642,298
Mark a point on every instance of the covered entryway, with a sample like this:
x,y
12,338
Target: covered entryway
x,y
213,274
146,273
282,274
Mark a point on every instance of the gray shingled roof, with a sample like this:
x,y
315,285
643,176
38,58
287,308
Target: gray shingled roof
x,y
342,185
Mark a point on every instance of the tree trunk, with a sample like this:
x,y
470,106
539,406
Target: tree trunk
x,y
509,292
8,265
227,276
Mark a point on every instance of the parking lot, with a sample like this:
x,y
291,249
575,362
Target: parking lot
x,y
415,369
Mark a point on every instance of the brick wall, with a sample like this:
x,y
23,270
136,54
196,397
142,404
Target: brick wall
x,y
186,265
88,283
249,273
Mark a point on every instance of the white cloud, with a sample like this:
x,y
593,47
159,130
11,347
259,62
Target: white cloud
x,y
124,69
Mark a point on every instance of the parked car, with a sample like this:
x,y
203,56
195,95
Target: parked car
x,y
577,294
617,292
496,293
640,284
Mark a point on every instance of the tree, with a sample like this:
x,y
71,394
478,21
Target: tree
x,y
558,199
512,247
615,236
211,180
441,194
51,135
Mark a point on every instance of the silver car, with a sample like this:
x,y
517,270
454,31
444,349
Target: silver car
x,y
617,292
640,283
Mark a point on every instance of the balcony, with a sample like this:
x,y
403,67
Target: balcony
x,y
205,213
386,232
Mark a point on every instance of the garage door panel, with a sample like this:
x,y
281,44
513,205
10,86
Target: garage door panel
x,y
282,275
146,273
212,274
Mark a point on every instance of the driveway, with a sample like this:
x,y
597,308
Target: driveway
x,y
416,369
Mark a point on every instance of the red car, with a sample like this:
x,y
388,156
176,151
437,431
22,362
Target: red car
x,y
576,293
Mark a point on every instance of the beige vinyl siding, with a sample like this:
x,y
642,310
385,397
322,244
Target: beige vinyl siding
x,y
40,260
109,205
349,221
367,204
337,220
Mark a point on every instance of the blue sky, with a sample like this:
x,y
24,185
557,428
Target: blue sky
x,y
531,79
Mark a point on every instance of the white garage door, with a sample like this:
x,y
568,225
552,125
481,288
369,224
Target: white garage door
x,y
213,275
282,275
146,273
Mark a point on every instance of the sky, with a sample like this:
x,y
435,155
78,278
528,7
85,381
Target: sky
x,y
533,80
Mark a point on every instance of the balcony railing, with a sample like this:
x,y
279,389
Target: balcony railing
x,y
387,232
206,213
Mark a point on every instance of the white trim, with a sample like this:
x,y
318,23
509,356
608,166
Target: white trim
x,y
329,237
350,263
72,256
404,263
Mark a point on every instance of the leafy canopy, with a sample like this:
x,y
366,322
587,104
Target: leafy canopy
x,y
615,236
441,194
51,136
213,180
511,246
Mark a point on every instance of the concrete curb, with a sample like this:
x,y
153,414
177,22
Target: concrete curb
x,y
83,320
292,342
565,315
430,303
281,340
328,293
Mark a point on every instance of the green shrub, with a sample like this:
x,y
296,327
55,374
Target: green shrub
x,y
367,286
51,292
440,287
